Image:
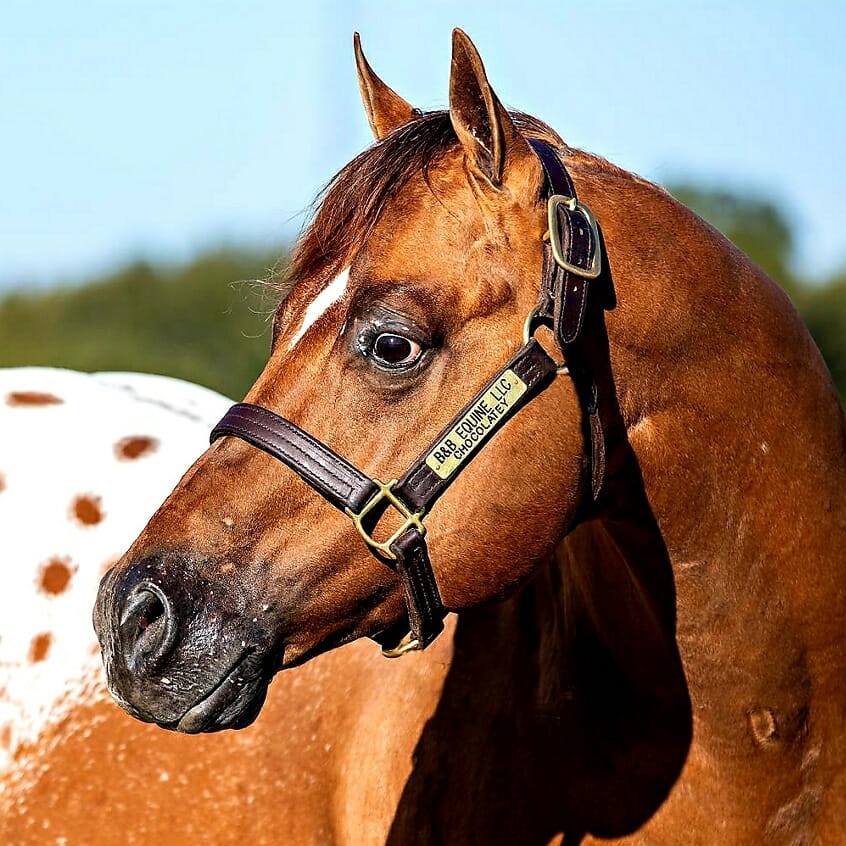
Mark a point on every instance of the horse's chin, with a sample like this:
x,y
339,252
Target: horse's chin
x,y
233,702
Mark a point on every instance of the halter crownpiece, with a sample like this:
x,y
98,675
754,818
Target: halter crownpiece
x,y
572,257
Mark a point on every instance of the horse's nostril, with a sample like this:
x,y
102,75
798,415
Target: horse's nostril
x,y
152,611
147,627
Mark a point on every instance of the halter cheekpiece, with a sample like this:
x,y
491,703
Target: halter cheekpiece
x,y
572,258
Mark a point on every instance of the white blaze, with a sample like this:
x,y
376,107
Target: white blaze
x,y
321,303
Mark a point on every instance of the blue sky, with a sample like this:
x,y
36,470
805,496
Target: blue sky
x,y
159,128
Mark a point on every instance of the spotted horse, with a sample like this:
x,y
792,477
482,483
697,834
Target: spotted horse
x,y
85,459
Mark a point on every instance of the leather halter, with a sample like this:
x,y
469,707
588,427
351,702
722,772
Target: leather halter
x,y
572,257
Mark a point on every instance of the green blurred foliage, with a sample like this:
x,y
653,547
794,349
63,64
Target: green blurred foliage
x,y
824,310
759,227
198,322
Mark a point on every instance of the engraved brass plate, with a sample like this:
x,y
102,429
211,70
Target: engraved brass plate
x,y
475,425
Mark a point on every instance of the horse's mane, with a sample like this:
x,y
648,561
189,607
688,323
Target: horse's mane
x,y
352,201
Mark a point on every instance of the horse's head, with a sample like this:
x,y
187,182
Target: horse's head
x,y
410,290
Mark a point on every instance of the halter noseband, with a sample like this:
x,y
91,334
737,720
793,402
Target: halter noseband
x,y
572,257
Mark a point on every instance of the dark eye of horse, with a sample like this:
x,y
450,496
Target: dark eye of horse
x,y
392,350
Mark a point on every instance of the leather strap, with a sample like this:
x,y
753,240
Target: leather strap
x,y
423,603
345,487
566,294
422,485
331,476
564,300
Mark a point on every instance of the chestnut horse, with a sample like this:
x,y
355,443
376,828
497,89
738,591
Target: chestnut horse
x,y
666,663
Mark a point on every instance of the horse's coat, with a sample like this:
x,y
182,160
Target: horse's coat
x,y
84,460
74,770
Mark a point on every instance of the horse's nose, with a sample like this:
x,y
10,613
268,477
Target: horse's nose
x,y
148,627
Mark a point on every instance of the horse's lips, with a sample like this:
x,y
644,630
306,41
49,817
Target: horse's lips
x,y
200,716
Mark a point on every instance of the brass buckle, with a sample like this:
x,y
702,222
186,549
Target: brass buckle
x,y
529,331
573,205
410,518
409,643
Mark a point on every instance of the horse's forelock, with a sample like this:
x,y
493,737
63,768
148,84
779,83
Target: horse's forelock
x,y
353,200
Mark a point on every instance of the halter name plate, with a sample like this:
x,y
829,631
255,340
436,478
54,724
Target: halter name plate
x,y
476,424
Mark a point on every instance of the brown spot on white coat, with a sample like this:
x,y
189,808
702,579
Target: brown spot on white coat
x,y
40,647
133,447
86,510
55,576
24,398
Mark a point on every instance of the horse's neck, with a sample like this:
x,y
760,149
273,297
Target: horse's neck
x,y
605,616
730,412
743,462
720,533
729,455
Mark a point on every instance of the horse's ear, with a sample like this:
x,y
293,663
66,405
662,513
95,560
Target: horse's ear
x,y
386,110
481,122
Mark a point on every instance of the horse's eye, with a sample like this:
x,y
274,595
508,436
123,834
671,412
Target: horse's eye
x,y
392,350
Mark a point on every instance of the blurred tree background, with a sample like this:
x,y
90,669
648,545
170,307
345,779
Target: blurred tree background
x,y
758,226
209,321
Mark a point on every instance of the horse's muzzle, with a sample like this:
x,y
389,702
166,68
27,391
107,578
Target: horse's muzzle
x,y
173,655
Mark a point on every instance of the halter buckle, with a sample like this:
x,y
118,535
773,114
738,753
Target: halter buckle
x,y
410,518
573,205
409,643
533,318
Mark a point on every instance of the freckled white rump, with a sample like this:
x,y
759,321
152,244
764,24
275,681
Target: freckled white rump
x,y
85,459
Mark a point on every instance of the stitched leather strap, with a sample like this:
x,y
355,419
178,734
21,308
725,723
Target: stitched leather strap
x,y
345,487
565,294
330,475
422,599
430,475
564,301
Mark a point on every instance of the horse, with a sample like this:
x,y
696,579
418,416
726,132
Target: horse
x,y
643,567
84,460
